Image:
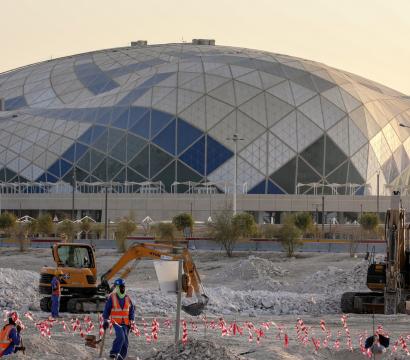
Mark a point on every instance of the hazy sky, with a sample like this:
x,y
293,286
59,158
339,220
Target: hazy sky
x,y
366,37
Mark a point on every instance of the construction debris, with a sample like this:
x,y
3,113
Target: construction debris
x,y
195,350
252,268
18,290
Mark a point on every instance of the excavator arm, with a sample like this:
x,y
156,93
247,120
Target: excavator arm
x,y
191,282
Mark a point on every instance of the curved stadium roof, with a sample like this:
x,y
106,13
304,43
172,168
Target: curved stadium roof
x,y
164,113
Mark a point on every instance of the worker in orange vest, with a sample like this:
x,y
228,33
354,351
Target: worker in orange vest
x,y
10,338
120,311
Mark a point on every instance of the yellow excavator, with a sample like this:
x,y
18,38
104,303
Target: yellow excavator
x,y
389,279
80,292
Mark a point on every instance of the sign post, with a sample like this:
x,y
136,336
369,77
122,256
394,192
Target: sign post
x,y
179,301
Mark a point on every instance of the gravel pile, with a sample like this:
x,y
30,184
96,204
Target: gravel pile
x,y
251,268
318,293
19,290
196,350
334,280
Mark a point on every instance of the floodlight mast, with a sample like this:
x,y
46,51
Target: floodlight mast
x,y
235,138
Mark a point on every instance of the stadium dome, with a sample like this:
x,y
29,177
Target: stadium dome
x,y
164,113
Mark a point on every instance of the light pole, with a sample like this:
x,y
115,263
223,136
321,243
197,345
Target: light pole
x,y
73,194
378,194
235,138
106,186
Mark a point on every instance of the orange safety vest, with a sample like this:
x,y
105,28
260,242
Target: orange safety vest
x,y
5,340
120,315
57,290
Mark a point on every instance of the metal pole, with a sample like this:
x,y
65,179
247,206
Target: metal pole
x,y
106,213
323,215
73,194
378,194
235,179
179,302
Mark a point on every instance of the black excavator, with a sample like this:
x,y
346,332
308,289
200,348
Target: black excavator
x,y
389,279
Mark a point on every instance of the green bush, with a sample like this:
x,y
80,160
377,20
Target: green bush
x,y
228,229
290,236
369,221
304,222
182,222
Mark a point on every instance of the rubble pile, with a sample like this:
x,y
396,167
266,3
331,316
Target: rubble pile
x,y
334,280
318,293
195,350
19,290
252,268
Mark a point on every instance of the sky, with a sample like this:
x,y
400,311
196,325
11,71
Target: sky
x,y
365,37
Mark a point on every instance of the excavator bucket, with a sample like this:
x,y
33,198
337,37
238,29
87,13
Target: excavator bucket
x,y
197,308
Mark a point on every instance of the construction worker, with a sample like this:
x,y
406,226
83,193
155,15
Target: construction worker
x,y
377,343
120,310
55,295
10,336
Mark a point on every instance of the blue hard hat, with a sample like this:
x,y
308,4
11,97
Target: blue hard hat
x,y
119,282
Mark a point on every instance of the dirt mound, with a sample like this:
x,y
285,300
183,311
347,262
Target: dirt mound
x,y
252,268
333,280
196,350
41,348
19,290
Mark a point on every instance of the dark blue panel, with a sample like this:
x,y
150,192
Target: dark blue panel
x,y
195,156
89,115
123,70
119,117
46,177
132,96
360,191
187,134
80,150
158,120
136,113
274,189
99,86
136,93
142,126
93,78
15,103
55,169
166,138
69,154
59,168
259,189
104,116
86,137
65,167
216,154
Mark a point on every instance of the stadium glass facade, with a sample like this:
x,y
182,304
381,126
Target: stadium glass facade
x,y
159,117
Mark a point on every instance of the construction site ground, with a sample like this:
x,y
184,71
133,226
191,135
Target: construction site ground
x,y
263,293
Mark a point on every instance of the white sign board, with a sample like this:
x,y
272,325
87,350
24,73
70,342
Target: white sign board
x,y
167,274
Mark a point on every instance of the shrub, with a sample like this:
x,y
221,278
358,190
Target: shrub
x,y
290,236
165,232
183,222
304,222
125,228
67,230
228,229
